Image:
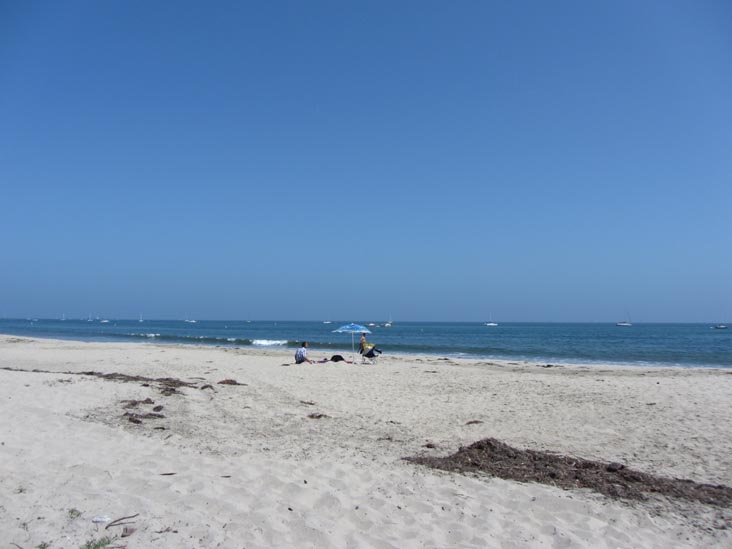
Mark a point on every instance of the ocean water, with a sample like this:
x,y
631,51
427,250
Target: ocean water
x,y
641,344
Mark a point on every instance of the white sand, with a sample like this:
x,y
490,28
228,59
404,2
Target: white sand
x,y
253,470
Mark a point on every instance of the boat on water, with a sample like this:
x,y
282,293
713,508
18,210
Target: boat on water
x,y
625,323
720,327
490,321
105,321
327,322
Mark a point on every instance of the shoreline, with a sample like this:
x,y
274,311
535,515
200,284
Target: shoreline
x,y
291,346
241,453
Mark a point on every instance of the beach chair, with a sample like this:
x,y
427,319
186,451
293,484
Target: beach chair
x,y
369,353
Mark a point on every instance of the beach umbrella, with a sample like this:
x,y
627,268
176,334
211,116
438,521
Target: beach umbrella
x,y
352,329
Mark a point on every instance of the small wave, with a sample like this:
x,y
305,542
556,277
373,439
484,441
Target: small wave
x,y
269,342
206,340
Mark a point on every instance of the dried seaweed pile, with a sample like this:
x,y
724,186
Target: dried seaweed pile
x,y
168,385
610,479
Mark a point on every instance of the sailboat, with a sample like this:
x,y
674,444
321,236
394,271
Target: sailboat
x,y
388,323
490,321
624,323
141,319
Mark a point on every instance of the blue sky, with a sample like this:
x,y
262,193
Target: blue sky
x,y
536,161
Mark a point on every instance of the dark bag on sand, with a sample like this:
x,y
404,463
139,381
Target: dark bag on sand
x,y
337,358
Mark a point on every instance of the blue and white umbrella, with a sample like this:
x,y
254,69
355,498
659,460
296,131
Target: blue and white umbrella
x,y
352,329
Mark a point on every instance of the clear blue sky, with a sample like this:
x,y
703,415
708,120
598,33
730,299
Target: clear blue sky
x,y
537,161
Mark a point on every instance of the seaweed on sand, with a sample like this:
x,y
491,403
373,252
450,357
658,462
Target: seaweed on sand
x,y
610,479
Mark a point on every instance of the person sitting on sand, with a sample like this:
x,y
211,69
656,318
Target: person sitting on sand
x,y
362,343
370,351
301,355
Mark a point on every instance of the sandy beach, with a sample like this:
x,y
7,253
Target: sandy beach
x,y
286,455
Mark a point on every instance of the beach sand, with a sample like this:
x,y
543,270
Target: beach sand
x,y
312,455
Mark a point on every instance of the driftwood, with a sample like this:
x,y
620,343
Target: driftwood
x,y
118,522
230,382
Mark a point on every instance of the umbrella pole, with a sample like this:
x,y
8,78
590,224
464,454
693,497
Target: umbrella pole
x,y
353,349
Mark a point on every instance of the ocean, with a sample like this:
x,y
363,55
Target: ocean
x,y
692,345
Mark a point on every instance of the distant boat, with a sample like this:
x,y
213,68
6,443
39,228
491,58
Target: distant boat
x,y
720,327
388,323
191,321
327,322
140,319
624,323
490,321
105,321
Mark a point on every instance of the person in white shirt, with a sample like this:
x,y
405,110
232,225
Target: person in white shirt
x,y
301,355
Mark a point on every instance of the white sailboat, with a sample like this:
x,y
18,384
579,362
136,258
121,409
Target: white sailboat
x,y
490,321
624,323
388,323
